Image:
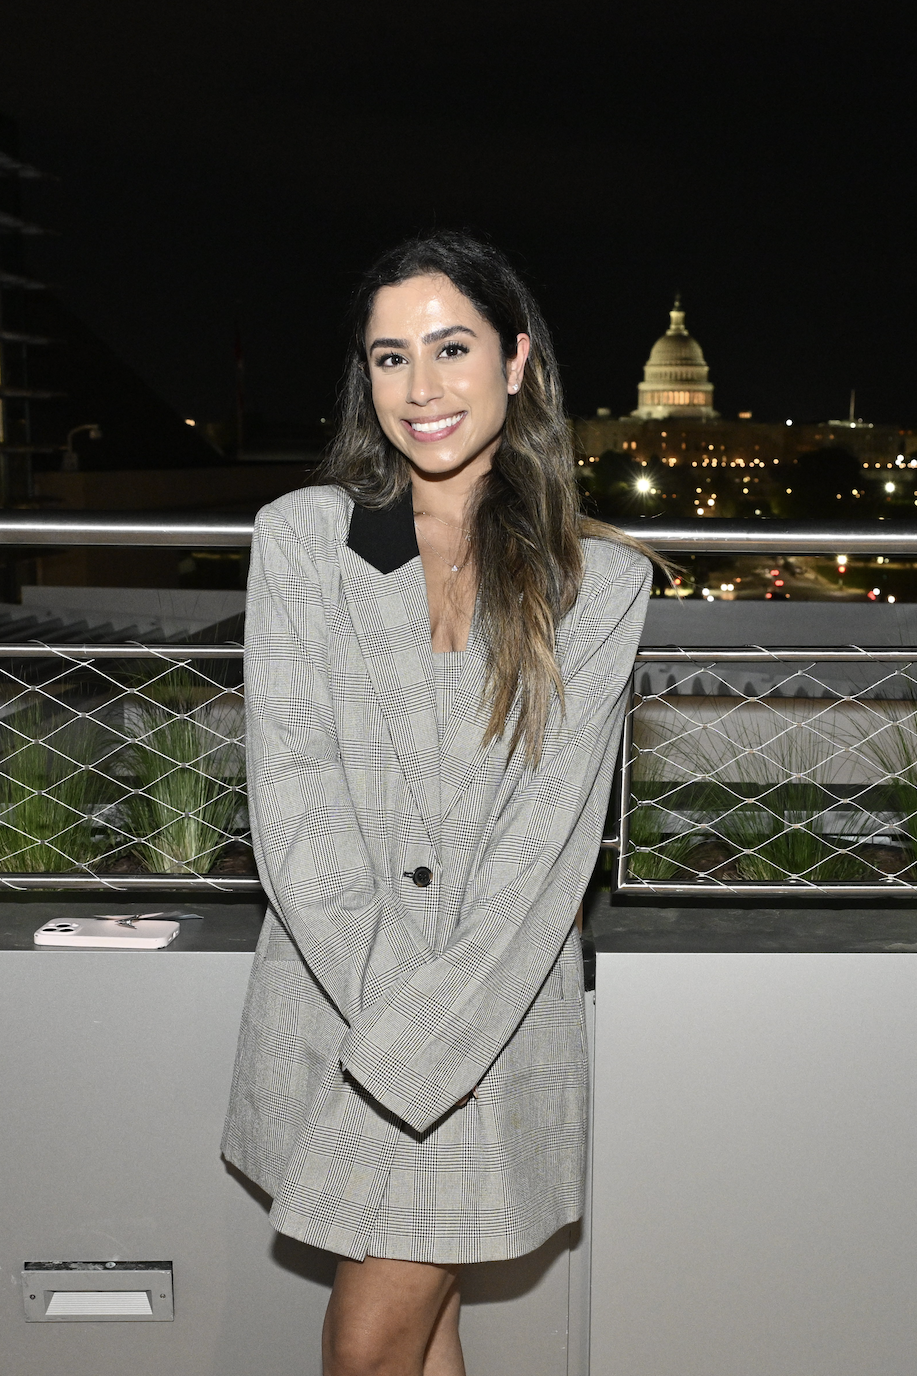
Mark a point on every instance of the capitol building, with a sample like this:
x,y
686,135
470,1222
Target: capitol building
x,y
675,378
675,423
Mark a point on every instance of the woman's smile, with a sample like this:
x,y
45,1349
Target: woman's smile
x,y
436,428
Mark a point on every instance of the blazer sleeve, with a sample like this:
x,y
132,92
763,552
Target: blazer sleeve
x,y
429,1042
355,935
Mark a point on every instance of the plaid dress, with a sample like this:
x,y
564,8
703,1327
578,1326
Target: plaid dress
x,y
419,941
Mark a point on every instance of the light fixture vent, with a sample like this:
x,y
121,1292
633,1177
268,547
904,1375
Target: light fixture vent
x,y
97,1291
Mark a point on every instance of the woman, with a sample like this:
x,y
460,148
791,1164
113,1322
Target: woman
x,y
438,646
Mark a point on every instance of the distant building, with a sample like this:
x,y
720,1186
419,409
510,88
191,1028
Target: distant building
x,y
80,430
675,376
675,425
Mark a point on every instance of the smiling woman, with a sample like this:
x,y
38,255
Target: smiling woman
x,y
440,393
438,645
445,382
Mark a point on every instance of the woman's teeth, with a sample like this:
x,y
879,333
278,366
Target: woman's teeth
x,y
430,427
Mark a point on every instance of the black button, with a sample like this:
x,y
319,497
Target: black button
x,y
422,877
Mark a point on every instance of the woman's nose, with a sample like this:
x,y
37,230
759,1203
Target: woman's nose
x,y
423,383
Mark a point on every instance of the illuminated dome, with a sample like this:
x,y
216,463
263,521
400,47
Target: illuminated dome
x,y
675,377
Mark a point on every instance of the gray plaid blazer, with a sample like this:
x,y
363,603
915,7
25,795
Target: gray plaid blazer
x,y
419,942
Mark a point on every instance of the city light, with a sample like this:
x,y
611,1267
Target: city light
x,y
789,422
889,487
643,484
190,422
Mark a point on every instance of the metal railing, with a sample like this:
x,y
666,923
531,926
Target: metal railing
x,y
711,535
122,767
762,771
745,769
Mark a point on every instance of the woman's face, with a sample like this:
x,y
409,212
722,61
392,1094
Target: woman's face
x,y
439,380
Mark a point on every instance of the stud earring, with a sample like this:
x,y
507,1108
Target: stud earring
x,y
515,387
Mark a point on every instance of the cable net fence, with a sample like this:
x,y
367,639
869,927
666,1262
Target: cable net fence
x,y
770,771
122,761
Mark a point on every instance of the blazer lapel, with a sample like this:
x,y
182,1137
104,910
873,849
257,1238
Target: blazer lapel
x,y
386,597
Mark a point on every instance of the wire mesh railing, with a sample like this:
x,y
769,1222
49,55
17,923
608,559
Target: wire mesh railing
x,y
744,770
122,766
770,771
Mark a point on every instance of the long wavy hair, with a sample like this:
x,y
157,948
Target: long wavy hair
x,y
525,519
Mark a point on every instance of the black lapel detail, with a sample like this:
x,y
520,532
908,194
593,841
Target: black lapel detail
x,y
384,536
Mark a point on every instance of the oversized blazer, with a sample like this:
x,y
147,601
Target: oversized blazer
x,y
420,940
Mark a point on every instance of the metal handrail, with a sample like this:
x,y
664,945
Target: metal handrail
x,y
712,535
754,654
210,884
40,649
715,535
123,528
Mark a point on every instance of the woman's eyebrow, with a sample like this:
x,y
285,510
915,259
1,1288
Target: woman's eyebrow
x,y
437,335
431,338
388,344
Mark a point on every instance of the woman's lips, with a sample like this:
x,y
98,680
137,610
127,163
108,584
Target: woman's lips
x,y
436,428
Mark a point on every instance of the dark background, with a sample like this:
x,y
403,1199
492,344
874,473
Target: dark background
x,y
217,157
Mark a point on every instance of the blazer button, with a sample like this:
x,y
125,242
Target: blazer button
x,y
422,877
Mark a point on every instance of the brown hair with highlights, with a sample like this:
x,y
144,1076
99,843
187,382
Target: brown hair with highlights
x,y
526,520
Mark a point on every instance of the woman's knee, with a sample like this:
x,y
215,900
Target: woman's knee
x,y
347,1352
357,1344
381,1315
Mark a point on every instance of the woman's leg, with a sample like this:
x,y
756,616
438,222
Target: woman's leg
x,y
444,1350
392,1318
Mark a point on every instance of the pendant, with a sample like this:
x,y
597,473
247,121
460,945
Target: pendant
x,y
455,568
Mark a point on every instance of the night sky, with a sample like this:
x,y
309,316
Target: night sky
x,y
215,156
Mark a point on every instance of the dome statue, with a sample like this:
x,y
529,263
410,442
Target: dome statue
x,y
675,376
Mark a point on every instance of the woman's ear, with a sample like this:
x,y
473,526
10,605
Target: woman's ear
x,y
515,366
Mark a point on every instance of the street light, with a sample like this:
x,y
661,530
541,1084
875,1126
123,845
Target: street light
x,y
71,459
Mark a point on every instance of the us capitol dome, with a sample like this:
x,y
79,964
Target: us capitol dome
x,y
675,376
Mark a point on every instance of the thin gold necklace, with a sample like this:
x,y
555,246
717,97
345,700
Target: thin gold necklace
x,y
434,517
456,568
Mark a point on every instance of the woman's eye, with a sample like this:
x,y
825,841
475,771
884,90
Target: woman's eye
x,y
388,360
454,350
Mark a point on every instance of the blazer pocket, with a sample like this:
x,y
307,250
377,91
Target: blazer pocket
x,y
291,1015
554,986
281,946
